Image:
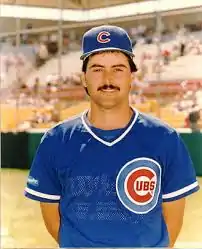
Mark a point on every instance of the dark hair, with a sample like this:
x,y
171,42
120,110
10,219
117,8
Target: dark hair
x,y
133,67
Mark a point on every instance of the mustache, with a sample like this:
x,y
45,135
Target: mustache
x,y
110,86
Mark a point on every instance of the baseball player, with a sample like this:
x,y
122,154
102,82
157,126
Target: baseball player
x,y
112,176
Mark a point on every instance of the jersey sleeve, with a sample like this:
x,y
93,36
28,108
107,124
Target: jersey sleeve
x,y
179,177
42,182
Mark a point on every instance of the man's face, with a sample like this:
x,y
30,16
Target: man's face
x,y
108,79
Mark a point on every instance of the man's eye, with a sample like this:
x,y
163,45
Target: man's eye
x,y
97,70
118,69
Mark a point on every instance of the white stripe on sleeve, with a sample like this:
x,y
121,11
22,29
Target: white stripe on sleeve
x,y
38,194
180,191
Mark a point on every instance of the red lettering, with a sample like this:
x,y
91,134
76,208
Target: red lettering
x,y
139,186
152,185
146,186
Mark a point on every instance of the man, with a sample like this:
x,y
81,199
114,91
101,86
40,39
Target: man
x,y
194,118
111,177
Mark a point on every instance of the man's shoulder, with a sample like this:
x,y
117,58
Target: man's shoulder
x,y
154,125
70,123
64,128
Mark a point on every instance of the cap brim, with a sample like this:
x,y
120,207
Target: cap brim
x,y
84,56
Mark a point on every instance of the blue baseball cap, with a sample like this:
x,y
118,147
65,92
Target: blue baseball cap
x,y
106,37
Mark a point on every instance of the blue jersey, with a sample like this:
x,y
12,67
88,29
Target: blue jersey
x,y
110,185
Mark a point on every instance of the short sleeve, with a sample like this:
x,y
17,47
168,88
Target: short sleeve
x,y
42,182
179,178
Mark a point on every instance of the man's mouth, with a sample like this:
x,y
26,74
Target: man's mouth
x,y
108,90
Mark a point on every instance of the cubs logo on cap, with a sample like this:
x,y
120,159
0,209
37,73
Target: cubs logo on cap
x,y
102,37
106,37
138,185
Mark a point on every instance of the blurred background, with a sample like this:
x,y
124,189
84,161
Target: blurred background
x,y
40,46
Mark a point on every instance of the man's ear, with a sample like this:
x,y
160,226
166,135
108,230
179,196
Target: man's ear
x,y
83,79
133,76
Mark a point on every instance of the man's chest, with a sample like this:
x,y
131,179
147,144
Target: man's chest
x,y
129,176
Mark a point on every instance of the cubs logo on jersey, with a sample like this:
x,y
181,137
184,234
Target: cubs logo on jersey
x,y
103,37
138,185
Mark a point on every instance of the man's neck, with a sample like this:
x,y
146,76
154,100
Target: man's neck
x,y
109,119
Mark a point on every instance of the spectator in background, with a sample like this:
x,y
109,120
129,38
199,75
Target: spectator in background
x,y
52,44
65,43
193,118
42,54
36,87
166,56
55,115
182,48
175,52
8,62
50,90
25,37
181,37
24,89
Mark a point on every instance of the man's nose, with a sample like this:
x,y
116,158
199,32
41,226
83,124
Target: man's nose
x,y
108,77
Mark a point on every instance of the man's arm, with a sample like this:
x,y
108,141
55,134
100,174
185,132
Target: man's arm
x,y
51,217
173,213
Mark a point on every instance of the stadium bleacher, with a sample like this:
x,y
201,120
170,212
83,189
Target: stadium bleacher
x,y
160,77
